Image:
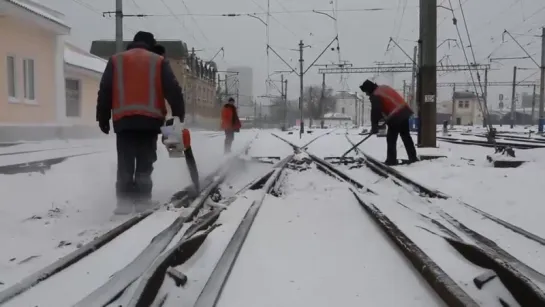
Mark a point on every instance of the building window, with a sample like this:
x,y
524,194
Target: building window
x,y
466,104
342,110
460,104
73,98
11,77
28,79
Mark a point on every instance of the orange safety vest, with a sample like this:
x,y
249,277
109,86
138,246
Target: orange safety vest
x,y
137,88
392,102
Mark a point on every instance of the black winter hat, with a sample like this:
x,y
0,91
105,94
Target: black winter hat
x,y
159,49
231,99
368,87
144,37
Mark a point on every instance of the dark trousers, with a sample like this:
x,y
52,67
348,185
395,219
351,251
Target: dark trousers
x,y
229,138
136,153
401,128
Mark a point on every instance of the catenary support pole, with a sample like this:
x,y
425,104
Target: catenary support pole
x,y
542,83
533,104
513,93
428,54
283,101
485,100
453,111
286,102
301,75
322,98
119,25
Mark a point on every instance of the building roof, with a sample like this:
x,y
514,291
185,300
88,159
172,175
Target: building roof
x,y
464,95
41,11
175,49
81,58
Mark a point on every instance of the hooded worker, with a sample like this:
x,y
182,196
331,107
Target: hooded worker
x,y
387,104
132,93
230,123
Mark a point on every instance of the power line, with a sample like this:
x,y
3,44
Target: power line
x,y
276,12
194,20
97,11
181,22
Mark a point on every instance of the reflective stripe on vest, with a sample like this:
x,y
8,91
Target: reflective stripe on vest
x,y
382,91
150,106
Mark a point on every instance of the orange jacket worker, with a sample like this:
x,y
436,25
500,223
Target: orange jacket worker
x,y
132,93
230,123
386,103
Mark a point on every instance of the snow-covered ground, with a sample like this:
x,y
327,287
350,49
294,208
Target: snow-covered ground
x,y
45,216
312,239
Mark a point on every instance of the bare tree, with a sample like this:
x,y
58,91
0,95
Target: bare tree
x,y
315,106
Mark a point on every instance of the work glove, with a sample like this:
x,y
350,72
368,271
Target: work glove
x,y
374,130
104,126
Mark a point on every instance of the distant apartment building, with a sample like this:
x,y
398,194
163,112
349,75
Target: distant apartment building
x,y
240,80
196,77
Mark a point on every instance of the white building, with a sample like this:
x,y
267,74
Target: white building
x,y
337,120
244,82
353,106
466,109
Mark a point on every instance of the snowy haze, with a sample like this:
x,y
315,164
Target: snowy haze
x,y
363,35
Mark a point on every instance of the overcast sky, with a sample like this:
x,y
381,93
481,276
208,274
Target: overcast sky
x,y
364,34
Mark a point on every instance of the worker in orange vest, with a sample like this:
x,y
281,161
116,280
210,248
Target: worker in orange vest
x,y
386,103
132,93
230,123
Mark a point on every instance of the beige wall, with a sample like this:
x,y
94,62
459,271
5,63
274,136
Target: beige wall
x,y
26,41
89,83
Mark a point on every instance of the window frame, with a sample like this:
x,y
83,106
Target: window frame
x,y
14,98
79,101
26,82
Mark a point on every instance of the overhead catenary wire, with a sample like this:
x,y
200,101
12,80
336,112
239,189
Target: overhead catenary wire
x,y
264,13
484,110
180,22
97,11
194,20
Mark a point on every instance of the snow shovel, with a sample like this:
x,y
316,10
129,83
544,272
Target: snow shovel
x,y
177,140
360,142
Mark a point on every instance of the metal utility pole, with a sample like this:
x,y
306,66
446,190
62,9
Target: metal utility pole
x,y
237,96
412,102
322,97
286,102
356,106
453,116
542,83
226,88
533,103
428,73
485,107
301,75
118,26
513,93
282,96
363,111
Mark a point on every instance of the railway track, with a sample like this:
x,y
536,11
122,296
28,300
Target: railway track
x,y
92,264
518,144
474,233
